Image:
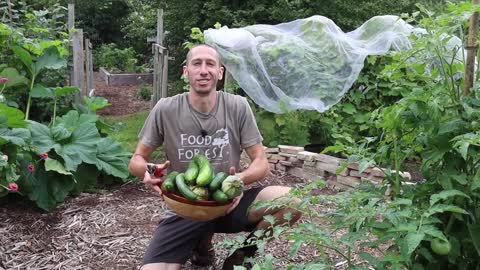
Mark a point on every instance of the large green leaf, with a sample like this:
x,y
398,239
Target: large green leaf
x,y
72,120
59,132
14,78
17,136
25,57
95,103
50,59
55,165
81,147
66,91
15,117
40,91
41,137
46,188
112,159
85,178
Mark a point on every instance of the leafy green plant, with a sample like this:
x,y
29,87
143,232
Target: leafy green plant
x,y
117,60
144,92
46,163
431,224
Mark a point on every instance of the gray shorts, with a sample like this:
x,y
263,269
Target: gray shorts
x,y
176,237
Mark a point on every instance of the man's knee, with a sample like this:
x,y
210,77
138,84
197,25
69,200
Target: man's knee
x,y
286,211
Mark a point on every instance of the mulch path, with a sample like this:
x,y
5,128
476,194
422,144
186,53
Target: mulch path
x,y
109,229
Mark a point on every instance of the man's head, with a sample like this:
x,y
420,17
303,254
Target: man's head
x,y
203,69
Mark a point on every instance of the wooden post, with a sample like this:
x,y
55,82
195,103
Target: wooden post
x,y
71,16
89,66
78,63
164,74
160,27
471,51
160,63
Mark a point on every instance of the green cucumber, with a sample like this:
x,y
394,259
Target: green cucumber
x,y
184,189
219,196
206,171
217,181
169,182
191,173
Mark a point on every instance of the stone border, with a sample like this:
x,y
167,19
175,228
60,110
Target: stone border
x,y
125,78
311,166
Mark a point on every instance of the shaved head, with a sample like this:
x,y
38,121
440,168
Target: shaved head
x,y
191,51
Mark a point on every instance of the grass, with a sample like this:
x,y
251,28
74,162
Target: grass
x,y
126,129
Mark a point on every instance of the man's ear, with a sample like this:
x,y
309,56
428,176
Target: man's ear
x,y
220,73
185,71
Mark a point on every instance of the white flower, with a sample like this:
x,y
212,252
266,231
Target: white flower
x,y
4,157
2,98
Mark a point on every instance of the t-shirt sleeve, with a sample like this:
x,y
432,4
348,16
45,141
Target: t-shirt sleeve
x,y
249,133
152,133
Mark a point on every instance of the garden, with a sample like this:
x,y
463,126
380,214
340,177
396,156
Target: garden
x,y
67,200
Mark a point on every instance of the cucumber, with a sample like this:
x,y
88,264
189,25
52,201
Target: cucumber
x,y
184,189
206,171
169,182
191,173
219,196
217,181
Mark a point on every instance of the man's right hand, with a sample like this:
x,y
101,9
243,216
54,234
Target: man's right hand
x,y
152,181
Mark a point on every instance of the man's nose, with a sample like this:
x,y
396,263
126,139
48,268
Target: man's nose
x,y
203,68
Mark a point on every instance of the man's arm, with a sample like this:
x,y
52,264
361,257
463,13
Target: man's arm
x,y
138,162
138,167
258,168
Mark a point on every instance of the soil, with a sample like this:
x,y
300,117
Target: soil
x,y
124,98
110,229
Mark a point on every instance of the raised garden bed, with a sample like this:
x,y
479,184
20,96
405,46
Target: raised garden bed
x,y
112,79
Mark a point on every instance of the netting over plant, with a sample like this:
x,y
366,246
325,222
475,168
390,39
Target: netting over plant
x,y
304,64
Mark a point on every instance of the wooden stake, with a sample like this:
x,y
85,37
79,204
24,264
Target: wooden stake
x,y
471,51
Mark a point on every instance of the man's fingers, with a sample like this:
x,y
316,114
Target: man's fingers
x,y
157,189
234,203
164,165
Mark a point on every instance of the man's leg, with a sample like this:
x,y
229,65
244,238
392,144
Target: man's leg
x,y
204,253
173,242
255,216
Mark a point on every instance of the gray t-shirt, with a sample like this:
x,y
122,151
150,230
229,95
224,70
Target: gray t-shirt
x,y
175,124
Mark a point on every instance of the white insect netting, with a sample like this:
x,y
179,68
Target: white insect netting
x,y
304,64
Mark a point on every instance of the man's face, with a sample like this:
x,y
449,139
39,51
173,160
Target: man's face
x,y
203,70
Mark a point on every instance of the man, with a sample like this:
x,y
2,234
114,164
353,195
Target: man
x,y
218,125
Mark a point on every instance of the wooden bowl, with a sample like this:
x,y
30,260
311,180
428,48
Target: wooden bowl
x,y
197,210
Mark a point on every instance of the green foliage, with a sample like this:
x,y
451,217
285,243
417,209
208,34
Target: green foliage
x,y
46,163
432,224
144,92
117,60
101,20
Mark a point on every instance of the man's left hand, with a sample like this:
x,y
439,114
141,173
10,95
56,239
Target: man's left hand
x,y
237,199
